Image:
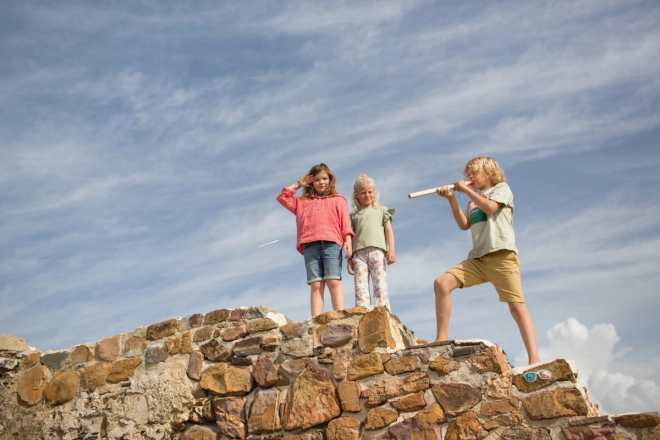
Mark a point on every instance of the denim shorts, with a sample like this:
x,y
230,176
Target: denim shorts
x,y
322,261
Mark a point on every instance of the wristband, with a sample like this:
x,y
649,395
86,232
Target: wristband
x,y
297,185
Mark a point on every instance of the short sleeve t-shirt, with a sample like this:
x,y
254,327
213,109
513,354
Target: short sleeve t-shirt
x,y
493,232
368,225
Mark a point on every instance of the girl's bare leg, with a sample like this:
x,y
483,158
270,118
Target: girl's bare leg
x,y
336,294
316,297
443,286
526,327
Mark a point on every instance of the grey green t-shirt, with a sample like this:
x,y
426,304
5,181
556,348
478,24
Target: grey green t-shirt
x,y
493,232
368,225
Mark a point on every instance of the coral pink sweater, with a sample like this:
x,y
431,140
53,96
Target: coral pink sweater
x,y
319,218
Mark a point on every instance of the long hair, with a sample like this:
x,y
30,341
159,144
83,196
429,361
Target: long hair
x,y
309,192
488,166
363,179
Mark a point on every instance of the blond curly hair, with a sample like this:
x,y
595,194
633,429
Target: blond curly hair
x,y
363,179
488,166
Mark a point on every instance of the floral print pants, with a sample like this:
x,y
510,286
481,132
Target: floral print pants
x,y
367,262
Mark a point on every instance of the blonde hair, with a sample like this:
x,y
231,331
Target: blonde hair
x,y
488,166
309,192
363,179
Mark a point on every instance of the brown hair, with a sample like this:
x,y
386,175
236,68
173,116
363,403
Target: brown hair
x,y
488,166
309,192
363,179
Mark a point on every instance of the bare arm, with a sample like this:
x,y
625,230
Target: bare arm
x,y
461,220
486,205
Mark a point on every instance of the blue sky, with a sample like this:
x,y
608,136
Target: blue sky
x,y
143,146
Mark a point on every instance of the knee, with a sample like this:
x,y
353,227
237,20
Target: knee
x,y
441,285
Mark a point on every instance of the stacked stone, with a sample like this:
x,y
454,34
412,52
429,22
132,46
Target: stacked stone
x,y
251,373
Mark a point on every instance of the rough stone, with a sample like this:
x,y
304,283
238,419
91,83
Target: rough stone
x,y
587,433
162,329
30,360
247,347
559,369
456,398
444,366
333,315
293,330
404,364
230,416
216,316
428,422
154,355
13,344
524,433
383,388
8,364
203,334
109,349
495,407
465,427
311,399
234,332
79,355
295,366
261,325
264,412
62,388
402,430
336,335
653,434
215,351
236,315
197,432
257,312
123,370
195,365
341,357
54,360
186,343
365,366
562,402
173,345
196,320
491,359
135,346
379,417
224,379
509,419
409,403
642,420
266,374
31,385
94,375
344,428
498,387
349,396
374,331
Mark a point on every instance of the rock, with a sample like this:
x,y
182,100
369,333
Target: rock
x,y
349,396
344,428
109,349
456,398
311,399
186,343
230,416
509,419
216,316
261,325
491,359
498,387
135,346
197,432
524,433
409,403
123,370
55,360
587,433
383,388
79,355
94,375
62,388
495,407
162,329
444,366
196,320
234,332
465,427
404,364
559,369
223,379
173,345
266,374
374,331
155,355
8,364
340,360
30,360
31,385
264,412
195,365
379,417
336,335
203,334
13,344
215,351
642,420
562,402
365,366
247,347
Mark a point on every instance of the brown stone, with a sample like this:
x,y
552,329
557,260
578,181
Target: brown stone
x,y
344,428
109,349
271,343
495,407
55,359
261,325
295,366
349,396
236,315
12,344
247,347
294,330
456,398
465,427
135,346
641,420
340,360
402,430
379,417
266,374
333,315
559,369
154,355
490,359
173,345
336,335
162,329
264,412
562,402
498,387
653,434
197,432
215,351
365,366
409,403
234,332
587,433
298,347
30,360
224,379
216,316
79,355
311,399
386,387
526,433
203,334
374,331
195,365
444,366
404,364
31,385
230,416
429,420
257,312
123,370
509,419
62,388
94,375
196,320
186,343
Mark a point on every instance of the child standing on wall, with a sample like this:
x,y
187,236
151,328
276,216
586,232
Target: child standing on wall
x,y
323,229
493,258
373,248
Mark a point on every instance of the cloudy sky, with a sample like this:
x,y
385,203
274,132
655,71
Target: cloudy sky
x,y
143,145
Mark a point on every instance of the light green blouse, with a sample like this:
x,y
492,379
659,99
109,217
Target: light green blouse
x,y
369,227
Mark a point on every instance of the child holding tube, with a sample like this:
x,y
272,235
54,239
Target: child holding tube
x,y
323,229
493,258
373,248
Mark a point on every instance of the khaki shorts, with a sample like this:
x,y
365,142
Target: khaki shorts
x,y
501,268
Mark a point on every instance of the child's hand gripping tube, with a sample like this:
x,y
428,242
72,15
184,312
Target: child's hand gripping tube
x,y
427,192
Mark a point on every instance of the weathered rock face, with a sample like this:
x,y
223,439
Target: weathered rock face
x,y
250,373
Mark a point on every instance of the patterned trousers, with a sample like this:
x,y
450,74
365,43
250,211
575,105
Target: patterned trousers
x,y
370,262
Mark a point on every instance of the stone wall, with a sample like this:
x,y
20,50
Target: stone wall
x,y
251,373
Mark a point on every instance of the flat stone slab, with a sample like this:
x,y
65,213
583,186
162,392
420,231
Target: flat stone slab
x,y
13,343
